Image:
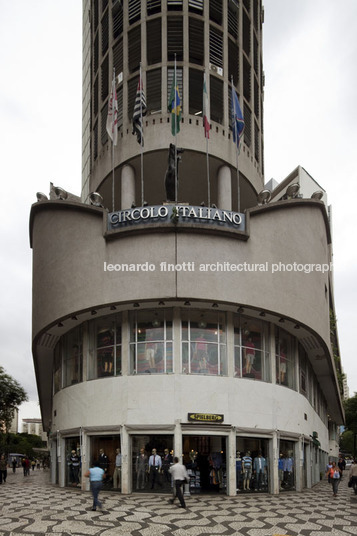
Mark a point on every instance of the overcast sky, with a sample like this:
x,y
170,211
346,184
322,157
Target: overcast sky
x,y
310,53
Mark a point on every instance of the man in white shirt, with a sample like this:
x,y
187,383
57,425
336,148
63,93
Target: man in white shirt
x,y
117,470
180,476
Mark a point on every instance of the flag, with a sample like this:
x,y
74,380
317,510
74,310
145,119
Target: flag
x,y
237,121
205,109
174,107
139,111
112,117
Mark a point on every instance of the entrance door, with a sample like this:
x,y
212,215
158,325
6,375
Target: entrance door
x,y
205,460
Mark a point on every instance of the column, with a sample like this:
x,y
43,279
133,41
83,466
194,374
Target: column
x,y
127,187
126,461
224,188
231,466
273,462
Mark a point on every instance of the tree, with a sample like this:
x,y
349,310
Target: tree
x,y
12,395
351,419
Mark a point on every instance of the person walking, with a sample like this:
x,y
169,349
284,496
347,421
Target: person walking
x,y
352,476
96,475
335,477
180,476
3,469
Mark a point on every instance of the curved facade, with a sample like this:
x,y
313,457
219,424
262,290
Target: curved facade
x,y
199,331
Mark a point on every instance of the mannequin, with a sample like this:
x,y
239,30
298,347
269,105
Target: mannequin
x,y
247,470
249,355
117,469
141,466
238,469
74,463
260,467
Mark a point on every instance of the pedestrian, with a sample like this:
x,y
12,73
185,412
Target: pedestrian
x,y
3,469
180,476
14,465
96,475
352,475
335,477
342,465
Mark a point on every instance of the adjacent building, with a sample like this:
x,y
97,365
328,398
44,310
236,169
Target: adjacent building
x,y
198,326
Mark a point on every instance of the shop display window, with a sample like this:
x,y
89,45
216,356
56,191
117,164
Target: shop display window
x,y
205,461
285,360
105,347
251,360
204,343
73,462
151,342
252,464
106,451
148,479
72,357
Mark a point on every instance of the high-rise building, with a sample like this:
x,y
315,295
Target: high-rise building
x,y
178,304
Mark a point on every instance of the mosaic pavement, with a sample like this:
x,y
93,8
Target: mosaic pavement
x,y
31,506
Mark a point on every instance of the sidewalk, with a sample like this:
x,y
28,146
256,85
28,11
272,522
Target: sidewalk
x,y
33,507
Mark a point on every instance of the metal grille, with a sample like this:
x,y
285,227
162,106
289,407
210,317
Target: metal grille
x,y
153,41
153,6
118,57
196,41
175,38
105,33
132,87
256,142
246,4
95,10
255,54
117,15
215,47
255,13
216,99
104,5
233,62
215,11
95,55
153,90
134,46
247,114
256,98
196,6
105,79
233,19
247,86
134,11
179,81
95,141
174,5
95,97
246,34
195,91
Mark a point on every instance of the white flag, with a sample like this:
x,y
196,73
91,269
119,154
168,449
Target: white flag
x,y
112,118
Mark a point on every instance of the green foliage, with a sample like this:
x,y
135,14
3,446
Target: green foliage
x,y
20,444
12,395
351,413
347,441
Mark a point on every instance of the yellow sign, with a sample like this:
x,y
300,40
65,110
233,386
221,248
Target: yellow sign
x,y
205,417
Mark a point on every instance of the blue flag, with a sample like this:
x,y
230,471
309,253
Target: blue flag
x,y
237,121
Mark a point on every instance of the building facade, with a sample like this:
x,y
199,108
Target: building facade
x,y
200,327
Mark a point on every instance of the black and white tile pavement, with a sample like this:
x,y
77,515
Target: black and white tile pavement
x,y
31,506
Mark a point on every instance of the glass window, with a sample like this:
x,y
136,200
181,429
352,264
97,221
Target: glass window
x,y
72,357
251,360
57,368
151,348
105,347
204,344
252,464
285,362
303,371
286,466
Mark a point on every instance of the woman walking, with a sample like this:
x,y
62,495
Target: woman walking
x,y
334,474
96,475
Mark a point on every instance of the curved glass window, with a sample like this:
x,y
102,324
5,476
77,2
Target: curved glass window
x,y
68,360
105,347
285,360
204,343
151,342
251,358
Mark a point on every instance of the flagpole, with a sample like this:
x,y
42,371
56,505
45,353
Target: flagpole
x,y
175,83
142,140
113,88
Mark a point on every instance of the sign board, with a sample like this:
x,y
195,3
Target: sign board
x,y
205,417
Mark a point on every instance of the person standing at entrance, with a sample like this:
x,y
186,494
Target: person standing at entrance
x,y
117,470
96,475
180,476
103,462
155,464
141,467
